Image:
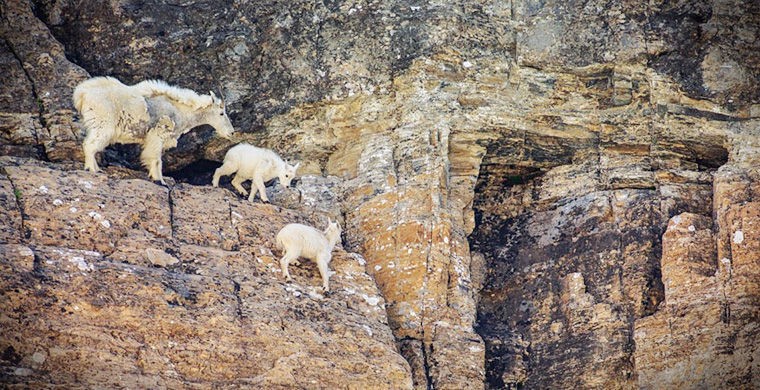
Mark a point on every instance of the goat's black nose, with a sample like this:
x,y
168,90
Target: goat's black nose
x,y
294,182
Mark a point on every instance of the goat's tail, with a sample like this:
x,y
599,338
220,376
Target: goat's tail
x,y
94,84
79,94
278,242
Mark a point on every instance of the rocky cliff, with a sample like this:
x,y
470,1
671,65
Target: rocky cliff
x,y
541,194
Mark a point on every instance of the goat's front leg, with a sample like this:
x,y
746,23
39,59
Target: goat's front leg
x,y
165,129
258,182
158,139
151,155
324,271
237,182
159,169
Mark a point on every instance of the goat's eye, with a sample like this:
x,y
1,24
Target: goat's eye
x,y
221,114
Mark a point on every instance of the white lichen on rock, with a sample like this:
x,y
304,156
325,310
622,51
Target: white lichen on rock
x,y
738,237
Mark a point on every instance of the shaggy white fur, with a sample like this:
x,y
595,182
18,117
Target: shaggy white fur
x,y
151,113
256,164
298,240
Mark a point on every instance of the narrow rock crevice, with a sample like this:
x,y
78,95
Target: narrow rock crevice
x,y
239,307
172,224
426,362
233,225
37,100
18,196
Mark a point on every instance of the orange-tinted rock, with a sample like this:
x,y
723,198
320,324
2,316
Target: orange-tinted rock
x,y
175,309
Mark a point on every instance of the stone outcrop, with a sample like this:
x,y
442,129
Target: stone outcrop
x,y
705,334
521,179
104,291
36,114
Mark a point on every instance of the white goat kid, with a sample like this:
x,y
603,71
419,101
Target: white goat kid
x,y
151,113
296,240
256,164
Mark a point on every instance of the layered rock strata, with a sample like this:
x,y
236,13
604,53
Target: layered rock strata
x,y
513,173
152,288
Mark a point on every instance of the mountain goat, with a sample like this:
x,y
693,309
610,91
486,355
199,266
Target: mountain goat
x,y
297,240
256,164
151,113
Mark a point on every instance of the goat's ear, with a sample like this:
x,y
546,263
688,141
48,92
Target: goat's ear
x,y
297,165
213,97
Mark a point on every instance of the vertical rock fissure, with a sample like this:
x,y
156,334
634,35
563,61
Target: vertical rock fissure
x,y
423,317
319,50
482,239
239,307
37,101
37,263
232,223
17,196
426,362
170,193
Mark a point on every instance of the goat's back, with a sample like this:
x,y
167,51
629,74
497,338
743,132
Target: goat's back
x,y
94,87
112,109
246,151
188,97
250,159
306,240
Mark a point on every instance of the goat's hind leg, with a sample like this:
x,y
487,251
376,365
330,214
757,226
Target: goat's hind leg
x,y
226,169
94,143
284,261
324,270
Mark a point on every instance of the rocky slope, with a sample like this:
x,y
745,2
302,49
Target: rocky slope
x,y
546,194
120,282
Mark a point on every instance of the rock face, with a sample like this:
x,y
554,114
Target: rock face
x,y
103,291
545,194
36,114
711,342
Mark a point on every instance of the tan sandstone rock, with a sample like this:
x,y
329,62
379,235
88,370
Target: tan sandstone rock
x,y
74,315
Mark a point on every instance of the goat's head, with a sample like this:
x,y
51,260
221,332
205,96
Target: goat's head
x,y
287,174
333,231
217,117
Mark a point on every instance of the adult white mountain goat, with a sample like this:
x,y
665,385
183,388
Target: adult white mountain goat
x,y
256,164
296,240
151,113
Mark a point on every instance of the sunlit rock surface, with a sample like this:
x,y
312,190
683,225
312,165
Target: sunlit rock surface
x,y
518,182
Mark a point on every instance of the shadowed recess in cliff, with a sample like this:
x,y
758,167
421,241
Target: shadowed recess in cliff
x,y
572,246
182,162
196,173
552,268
